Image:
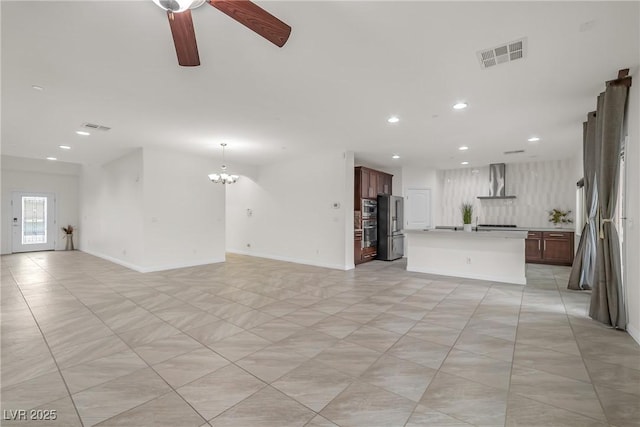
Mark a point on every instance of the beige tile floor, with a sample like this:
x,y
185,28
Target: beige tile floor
x,y
255,342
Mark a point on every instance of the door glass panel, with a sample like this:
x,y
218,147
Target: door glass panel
x,y
34,220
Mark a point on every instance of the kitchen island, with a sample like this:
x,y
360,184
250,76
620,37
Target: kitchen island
x,y
497,256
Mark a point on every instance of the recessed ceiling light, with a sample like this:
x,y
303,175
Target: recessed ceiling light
x,y
36,87
464,163
83,133
395,156
393,119
52,158
64,147
464,147
460,106
533,139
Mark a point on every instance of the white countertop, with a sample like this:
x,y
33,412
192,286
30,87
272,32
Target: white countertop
x,y
558,229
497,234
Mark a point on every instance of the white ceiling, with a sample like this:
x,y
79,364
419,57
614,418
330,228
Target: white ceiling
x,y
346,68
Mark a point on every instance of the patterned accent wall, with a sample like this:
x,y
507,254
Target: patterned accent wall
x,y
538,187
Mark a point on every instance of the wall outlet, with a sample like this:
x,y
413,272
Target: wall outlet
x,y
248,245
468,260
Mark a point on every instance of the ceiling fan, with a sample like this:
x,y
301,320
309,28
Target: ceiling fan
x,y
245,12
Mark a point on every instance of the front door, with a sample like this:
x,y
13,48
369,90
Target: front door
x,y
33,222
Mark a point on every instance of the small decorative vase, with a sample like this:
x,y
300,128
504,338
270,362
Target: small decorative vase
x,y
466,227
69,246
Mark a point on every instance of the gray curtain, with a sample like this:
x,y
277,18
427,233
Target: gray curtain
x,y
607,305
583,268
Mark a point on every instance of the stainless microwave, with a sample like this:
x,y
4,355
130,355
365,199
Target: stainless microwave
x,y
369,209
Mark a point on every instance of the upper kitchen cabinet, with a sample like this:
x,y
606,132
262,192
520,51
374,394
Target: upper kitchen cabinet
x,y
369,183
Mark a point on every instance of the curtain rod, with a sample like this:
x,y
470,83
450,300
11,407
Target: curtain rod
x,y
624,79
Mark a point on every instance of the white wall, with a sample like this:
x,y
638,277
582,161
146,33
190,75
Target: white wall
x,y
153,210
293,218
632,201
184,212
538,187
349,223
416,177
111,210
34,175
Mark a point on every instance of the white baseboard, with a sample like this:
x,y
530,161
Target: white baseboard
x,y
517,280
182,265
635,333
293,260
155,268
114,260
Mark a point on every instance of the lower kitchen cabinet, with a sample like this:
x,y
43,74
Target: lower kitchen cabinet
x,y
361,254
357,247
533,247
368,254
549,247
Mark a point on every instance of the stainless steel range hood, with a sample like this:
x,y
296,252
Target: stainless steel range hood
x,y
497,182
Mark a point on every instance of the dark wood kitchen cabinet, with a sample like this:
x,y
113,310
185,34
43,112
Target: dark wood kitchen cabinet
x,y
357,246
549,247
369,183
557,247
373,185
533,247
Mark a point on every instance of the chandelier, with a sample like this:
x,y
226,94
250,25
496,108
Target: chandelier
x,y
223,177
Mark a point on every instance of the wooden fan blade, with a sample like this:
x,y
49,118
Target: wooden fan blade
x,y
184,38
255,18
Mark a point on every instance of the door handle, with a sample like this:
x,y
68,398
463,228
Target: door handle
x,y
545,245
538,244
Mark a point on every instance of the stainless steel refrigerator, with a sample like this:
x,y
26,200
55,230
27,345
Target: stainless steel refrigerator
x,y
390,222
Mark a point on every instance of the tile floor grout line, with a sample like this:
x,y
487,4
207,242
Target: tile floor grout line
x,y
50,353
513,356
267,385
135,352
551,404
356,289
595,390
417,403
356,379
452,347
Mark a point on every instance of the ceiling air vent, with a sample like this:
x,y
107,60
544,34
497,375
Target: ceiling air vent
x,y
95,127
501,54
514,152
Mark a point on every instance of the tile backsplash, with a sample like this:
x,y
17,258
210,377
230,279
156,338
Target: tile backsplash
x,y
538,187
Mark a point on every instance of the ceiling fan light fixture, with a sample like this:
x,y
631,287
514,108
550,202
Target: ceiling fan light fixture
x,y
176,6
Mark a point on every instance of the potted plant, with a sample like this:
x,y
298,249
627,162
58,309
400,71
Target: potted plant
x,y
559,217
68,234
467,213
